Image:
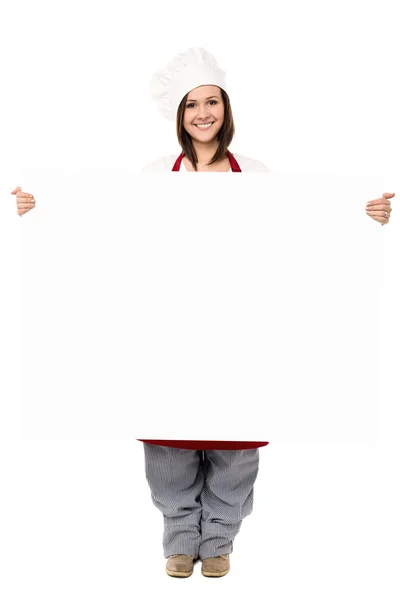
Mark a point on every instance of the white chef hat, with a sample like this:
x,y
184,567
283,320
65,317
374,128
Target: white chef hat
x,y
182,74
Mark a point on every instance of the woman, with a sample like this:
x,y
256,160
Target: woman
x,y
203,488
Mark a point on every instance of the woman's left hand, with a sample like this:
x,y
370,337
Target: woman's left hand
x,y
380,209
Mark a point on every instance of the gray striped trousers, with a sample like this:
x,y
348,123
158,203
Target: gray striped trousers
x,y
203,495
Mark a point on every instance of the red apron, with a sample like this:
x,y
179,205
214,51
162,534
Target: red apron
x,y
232,160
207,444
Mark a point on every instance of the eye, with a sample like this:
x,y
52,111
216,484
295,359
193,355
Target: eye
x,y
190,104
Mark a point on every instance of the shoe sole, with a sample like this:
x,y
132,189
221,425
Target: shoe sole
x,y
178,573
210,574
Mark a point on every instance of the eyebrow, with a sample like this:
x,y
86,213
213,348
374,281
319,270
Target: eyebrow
x,y
189,100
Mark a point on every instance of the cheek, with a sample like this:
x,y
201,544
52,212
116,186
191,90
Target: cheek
x,y
220,114
187,122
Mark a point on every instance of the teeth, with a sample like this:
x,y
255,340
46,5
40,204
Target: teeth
x,y
204,126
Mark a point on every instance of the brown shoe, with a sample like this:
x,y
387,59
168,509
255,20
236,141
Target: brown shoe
x,y
180,565
217,566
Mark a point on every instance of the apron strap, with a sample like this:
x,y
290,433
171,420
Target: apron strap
x,y
232,161
177,164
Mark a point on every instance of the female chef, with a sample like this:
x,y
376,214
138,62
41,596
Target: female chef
x,y
204,489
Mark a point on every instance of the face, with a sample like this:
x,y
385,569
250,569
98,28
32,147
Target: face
x,y
204,105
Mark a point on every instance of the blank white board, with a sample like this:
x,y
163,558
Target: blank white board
x,y
200,306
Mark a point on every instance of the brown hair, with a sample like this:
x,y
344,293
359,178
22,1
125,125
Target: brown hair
x,y
224,135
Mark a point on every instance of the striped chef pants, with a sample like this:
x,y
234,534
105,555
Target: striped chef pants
x,y
203,495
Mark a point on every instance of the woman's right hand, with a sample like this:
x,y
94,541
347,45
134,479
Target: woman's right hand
x,y
25,201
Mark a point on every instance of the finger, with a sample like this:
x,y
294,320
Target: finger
x,y
377,213
25,208
382,206
378,201
22,211
24,195
374,202
27,201
16,190
25,205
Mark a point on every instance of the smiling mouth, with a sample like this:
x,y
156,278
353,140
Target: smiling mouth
x,y
204,126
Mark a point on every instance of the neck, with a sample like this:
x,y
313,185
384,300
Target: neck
x,y
205,151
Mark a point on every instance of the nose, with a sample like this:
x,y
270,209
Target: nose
x,y
203,111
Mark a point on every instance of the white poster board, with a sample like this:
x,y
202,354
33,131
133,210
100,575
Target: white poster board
x,y
200,306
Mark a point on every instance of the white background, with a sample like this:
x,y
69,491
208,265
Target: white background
x,y
314,86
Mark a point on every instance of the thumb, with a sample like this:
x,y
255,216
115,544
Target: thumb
x,y
17,189
388,195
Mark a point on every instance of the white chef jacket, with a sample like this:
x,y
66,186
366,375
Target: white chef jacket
x,y
165,164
